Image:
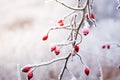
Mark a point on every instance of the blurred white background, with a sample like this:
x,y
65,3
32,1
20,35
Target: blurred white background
x,y
24,22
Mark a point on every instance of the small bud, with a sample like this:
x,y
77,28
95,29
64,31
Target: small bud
x,y
57,51
45,37
61,23
26,69
108,46
53,48
30,75
92,16
76,48
85,31
103,46
86,71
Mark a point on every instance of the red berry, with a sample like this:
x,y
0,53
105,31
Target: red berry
x,y
30,75
86,71
108,46
103,46
26,69
85,31
57,51
53,48
86,15
45,37
76,48
61,23
92,16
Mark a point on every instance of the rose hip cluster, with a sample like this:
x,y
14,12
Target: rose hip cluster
x,y
55,49
106,46
61,22
92,16
27,70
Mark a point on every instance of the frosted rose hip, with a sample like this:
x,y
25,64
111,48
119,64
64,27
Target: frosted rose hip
x,y
45,37
26,69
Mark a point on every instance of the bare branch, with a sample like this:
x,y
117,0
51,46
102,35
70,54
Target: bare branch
x,y
65,67
69,14
80,58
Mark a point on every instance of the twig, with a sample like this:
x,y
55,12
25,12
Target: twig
x,y
81,22
80,39
65,44
69,14
65,66
76,9
66,27
80,58
50,62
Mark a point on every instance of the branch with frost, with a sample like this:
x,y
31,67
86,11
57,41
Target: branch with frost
x,y
75,9
75,27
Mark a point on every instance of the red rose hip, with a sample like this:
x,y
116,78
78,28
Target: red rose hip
x,y
76,48
30,75
103,46
53,48
57,51
86,71
85,31
108,46
26,69
61,23
92,16
45,37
